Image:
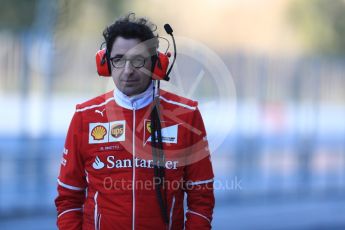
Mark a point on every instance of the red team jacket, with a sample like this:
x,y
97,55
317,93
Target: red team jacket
x,y
106,174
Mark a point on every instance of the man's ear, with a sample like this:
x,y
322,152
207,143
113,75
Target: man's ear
x,y
103,63
153,62
160,66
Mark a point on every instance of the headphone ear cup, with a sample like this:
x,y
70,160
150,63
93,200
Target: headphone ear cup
x,y
102,63
160,67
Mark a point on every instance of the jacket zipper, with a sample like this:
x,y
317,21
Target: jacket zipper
x,y
171,211
133,179
96,215
99,222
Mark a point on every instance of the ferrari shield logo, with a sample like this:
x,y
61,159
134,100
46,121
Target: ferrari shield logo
x,y
169,132
148,126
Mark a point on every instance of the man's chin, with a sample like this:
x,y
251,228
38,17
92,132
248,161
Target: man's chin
x,y
130,91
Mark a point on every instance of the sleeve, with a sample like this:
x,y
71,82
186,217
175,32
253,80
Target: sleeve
x,y
198,177
71,180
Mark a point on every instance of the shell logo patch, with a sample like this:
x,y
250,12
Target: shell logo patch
x,y
113,131
98,132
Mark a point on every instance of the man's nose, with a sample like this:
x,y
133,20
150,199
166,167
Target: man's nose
x,y
128,67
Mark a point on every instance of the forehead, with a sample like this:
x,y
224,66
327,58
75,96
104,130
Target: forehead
x,y
129,47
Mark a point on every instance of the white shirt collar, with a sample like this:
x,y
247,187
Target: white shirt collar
x,y
134,102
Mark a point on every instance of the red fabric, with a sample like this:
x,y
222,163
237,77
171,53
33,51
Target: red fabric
x,y
95,188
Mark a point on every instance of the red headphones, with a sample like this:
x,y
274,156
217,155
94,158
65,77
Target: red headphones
x,y
161,63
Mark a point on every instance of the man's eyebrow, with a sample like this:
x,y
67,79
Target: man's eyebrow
x,y
118,56
122,55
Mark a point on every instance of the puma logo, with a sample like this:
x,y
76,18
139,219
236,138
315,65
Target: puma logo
x,y
100,112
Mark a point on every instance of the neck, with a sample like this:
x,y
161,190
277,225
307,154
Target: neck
x,y
137,101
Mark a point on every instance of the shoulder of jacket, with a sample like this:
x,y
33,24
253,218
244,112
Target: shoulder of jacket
x,y
177,100
95,102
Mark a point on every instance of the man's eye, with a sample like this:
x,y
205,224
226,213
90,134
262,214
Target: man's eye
x,y
118,60
138,60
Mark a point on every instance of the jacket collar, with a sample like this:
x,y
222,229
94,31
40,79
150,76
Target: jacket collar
x,y
134,102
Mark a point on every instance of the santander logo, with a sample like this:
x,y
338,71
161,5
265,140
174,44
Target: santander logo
x,y
97,164
111,162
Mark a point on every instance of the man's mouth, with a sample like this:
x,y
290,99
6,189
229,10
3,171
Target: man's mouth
x,y
130,81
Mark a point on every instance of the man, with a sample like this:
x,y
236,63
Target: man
x,y
108,176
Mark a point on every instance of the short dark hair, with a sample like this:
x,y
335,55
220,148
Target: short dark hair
x,y
131,27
